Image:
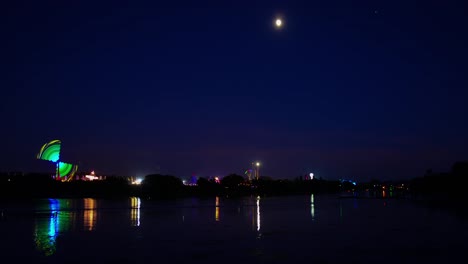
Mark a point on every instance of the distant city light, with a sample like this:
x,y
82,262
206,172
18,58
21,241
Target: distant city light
x,y
137,181
311,175
92,176
258,164
349,181
278,23
191,182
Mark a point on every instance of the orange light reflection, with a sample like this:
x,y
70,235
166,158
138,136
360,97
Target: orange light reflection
x,y
217,209
89,214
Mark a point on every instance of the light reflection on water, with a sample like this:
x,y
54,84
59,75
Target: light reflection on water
x,y
50,222
45,231
90,213
312,207
60,217
217,209
258,213
262,224
135,211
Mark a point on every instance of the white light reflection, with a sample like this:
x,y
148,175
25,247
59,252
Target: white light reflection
x,y
135,211
312,206
258,213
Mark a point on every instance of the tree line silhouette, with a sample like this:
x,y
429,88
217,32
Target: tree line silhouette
x,y
449,184
37,185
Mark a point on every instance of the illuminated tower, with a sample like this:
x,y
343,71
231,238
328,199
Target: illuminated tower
x,y
256,169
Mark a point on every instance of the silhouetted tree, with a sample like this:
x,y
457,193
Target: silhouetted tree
x,y
162,185
460,169
265,178
232,180
202,182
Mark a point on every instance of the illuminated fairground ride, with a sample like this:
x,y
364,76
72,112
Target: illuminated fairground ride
x,y
51,152
248,173
254,172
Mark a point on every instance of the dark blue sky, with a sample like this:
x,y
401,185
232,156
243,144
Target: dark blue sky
x,y
347,89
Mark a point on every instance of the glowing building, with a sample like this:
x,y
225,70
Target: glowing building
x,y
92,176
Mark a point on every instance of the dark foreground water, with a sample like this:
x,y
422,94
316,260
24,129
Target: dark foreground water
x,y
294,229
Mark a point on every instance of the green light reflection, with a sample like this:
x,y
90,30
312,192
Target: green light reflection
x,y
49,223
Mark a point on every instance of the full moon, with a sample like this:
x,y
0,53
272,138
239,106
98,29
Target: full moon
x,y
278,22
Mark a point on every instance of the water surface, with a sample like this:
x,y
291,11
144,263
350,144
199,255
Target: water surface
x,y
291,229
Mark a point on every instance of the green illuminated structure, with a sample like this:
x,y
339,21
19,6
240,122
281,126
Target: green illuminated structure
x,y
51,152
67,169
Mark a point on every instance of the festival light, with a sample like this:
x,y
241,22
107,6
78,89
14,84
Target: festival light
x,y
138,181
51,152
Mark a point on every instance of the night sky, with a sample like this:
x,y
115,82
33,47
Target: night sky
x,y
346,89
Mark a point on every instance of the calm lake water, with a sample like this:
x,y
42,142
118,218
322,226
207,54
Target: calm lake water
x,y
292,229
